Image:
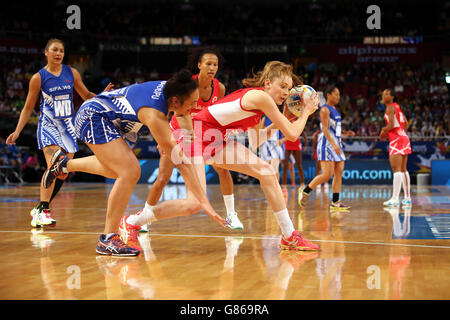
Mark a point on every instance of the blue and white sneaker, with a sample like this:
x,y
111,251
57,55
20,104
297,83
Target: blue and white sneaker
x,y
392,203
57,169
406,203
114,246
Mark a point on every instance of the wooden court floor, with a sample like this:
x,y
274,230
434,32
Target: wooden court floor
x,y
367,253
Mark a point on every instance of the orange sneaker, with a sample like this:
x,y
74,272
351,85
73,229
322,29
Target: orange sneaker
x,y
297,242
129,233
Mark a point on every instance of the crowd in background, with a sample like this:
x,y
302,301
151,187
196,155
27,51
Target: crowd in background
x,y
228,21
421,92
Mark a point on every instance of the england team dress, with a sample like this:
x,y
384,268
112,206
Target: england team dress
x,y
216,123
113,114
325,151
56,120
201,104
399,142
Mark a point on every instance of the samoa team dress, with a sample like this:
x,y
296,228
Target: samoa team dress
x,y
271,149
56,119
325,151
113,114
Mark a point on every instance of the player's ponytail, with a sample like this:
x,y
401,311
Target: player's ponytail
x,y
272,70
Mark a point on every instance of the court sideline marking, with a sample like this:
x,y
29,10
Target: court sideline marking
x,y
239,236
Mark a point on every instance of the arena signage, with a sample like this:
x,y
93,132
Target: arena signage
x,y
376,53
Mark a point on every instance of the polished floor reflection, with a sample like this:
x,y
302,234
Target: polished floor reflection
x,y
367,253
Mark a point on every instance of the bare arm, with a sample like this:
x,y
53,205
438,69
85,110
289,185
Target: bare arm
x,y
80,87
390,111
222,90
260,134
157,122
259,100
30,102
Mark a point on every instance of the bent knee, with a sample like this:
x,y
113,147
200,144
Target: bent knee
x,y
131,173
265,171
162,179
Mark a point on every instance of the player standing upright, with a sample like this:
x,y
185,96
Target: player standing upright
x,y
54,84
330,151
399,148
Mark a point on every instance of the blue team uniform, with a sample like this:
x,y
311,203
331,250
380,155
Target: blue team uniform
x,y
325,151
271,149
113,114
56,126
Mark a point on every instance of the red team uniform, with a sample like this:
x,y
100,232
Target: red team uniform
x,y
293,145
398,140
201,104
220,120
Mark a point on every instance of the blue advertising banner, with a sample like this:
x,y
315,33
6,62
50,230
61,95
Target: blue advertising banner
x,y
440,172
423,152
355,172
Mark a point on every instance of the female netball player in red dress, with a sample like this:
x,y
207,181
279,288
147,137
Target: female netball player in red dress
x,y
207,61
399,149
241,111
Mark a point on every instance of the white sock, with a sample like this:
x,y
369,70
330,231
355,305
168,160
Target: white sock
x,y
397,185
406,184
285,222
145,216
229,203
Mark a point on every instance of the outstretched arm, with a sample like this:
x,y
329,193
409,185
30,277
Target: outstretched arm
x,y
81,89
259,100
157,122
30,102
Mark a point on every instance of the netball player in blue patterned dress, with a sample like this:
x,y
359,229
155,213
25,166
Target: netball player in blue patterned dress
x,y
330,151
103,123
54,85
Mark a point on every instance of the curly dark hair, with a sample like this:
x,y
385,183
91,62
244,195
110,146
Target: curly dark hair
x,y
196,54
180,85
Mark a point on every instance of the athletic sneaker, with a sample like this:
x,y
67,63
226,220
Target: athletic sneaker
x,y
144,228
338,205
129,233
406,202
302,197
41,218
114,246
57,168
392,203
233,222
297,242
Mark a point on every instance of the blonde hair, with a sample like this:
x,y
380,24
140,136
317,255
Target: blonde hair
x,y
272,70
